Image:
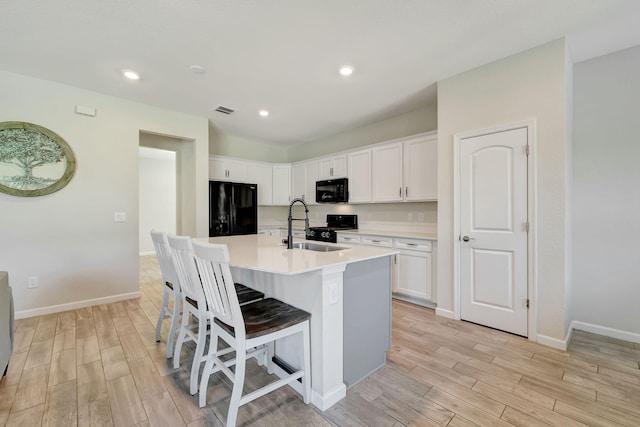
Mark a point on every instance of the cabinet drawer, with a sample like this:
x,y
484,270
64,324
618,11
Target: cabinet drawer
x,y
386,242
349,239
297,233
414,245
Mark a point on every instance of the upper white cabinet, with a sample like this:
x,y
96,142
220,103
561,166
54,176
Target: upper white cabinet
x,y
262,174
281,184
386,173
360,176
333,167
227,169
405,170
402,170
421,169
274,181
303,181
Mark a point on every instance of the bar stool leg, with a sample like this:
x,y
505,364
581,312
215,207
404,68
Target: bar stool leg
x,y
238,384
197,356
306,362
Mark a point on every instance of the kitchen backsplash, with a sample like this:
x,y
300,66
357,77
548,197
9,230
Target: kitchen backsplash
x,y
390,216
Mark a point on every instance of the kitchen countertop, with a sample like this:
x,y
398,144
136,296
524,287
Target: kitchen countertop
x,y
267,253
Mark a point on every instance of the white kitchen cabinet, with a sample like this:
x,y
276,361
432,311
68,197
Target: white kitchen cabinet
x,y
278,232
414,270
420,169
333,167
348,238
262,174
386,173
360,176
405,170
303,181
281,185
297,234
227,169
379,241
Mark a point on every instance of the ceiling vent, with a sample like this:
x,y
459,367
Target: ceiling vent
x,y
224,110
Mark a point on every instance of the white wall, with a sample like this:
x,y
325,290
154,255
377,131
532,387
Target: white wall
x,y
68,239
606,197
156,195
528,85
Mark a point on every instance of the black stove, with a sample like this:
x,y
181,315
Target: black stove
x,y
334,223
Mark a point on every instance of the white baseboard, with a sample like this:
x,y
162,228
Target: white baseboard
x,y
552,342
445,313
23,314
319,401
329,399
147,253
606,331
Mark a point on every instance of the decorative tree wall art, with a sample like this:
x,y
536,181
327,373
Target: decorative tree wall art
x,y
34,160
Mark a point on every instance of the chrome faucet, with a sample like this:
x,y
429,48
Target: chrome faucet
x,y
291,219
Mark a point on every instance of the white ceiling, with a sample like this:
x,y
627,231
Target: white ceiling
x,y
284,55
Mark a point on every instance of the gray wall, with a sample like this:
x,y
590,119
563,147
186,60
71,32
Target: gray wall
x,y
421,120
529,85
606,196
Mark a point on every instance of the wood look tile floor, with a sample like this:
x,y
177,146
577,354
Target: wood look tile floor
x,y
101,366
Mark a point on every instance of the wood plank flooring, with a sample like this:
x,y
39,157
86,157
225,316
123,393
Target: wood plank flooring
x,y
101,366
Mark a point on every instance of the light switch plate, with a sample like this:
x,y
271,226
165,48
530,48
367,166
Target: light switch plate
x,y
119,216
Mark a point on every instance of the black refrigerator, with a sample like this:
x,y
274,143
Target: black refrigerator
x,y
233,208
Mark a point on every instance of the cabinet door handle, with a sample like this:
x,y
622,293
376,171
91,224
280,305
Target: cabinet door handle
x,y
400,192
412,244
406,192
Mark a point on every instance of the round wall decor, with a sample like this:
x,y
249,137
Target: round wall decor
x,y
34,161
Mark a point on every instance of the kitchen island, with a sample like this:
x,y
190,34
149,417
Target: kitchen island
x,y
347,292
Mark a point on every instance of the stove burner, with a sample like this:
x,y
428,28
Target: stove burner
x,y
334,223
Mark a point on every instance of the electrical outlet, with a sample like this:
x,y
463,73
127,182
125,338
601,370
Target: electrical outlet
x,y
421,216
333,293
32,282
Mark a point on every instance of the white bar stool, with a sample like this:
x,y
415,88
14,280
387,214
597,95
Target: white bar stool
x,y
171,289
246,329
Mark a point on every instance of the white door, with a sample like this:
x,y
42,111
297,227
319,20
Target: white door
x,y
493,230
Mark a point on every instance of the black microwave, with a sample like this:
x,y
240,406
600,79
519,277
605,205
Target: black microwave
x,y
332,191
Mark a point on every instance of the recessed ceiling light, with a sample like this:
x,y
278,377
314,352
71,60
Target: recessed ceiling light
x,y
131,75
197,69
263,113
346,70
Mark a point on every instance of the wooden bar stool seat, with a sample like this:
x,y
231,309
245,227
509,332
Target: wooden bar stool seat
x,y
248,330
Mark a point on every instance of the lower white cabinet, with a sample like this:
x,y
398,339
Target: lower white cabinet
x,y
414,269
348,238
272,231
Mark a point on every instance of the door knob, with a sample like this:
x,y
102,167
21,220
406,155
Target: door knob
x,y
467,238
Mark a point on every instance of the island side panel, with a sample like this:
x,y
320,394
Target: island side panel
x,y
367,317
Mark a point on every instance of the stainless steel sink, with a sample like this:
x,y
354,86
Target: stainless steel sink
x,y
316,247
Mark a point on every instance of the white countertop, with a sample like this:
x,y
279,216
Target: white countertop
x,y
267,253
